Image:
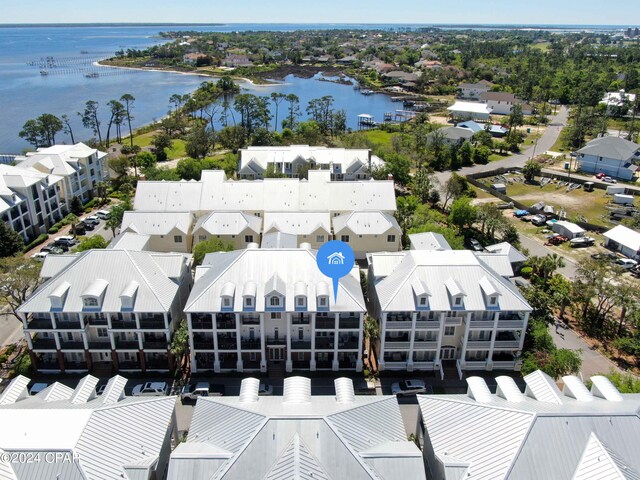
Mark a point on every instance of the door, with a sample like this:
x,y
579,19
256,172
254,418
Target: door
x,y
276,354
448,353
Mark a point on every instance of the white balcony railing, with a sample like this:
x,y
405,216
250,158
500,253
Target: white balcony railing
x,y
396,345
425,345
398,325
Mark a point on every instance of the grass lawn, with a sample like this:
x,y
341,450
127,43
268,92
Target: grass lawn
x,y
498,156
543,47
379,138
176,151
482,194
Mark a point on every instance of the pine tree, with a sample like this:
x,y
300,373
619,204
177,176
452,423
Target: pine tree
x,y
10,241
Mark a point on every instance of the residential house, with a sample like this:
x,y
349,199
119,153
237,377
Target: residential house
x,y
501,103
401,77
618,102
297,435
192,58
495,130
237,228
435,306
106,310
544,432
293,160
623,240
273,310
368,232
470,111
168,232
80,167
29,200
472,91
453,135
237,61
313,228
613,156
64,433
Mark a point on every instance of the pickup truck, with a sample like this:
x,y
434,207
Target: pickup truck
x,y
195,390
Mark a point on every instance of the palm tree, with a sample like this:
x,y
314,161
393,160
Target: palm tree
x,y
371,335
551,263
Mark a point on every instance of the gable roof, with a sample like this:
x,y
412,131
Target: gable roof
x,y
624,236
615,148
506,248
156,223
365,223
297,223
428,241
228,223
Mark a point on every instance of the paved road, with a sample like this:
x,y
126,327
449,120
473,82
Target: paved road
x,y
10,328
539,250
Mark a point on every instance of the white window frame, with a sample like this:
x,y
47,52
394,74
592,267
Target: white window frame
x,y
423,301
177,239
90,302
391,238
322,301
226,302
248,301
274,301
300,301
449,331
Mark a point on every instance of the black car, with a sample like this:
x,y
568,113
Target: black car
x,y
61,245
80,229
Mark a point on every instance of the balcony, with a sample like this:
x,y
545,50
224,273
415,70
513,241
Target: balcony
x,y
227,343
350,322
508,344
226,325
40,324
480,324
300,319
95,321
123,324
348,343
398,325
250,344
129,366
155,345
276,341
399,317
68,325
510,324
479,344
201,322
155,323
203,343
44,344
99,345
301,345
324,343
457,320
324,323
427,324
396,345
324,364
425,345
250,320
127,344
71,345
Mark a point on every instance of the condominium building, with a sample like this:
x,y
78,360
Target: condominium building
x,y
368,232
168,232
65,433
446,305
308,227
29,200
290,161
543,432
263,309
106,310
237,228
297,436
80,167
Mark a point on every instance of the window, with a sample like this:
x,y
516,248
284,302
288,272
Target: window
x,y
492,300
202,238
92,172
275,316
226,302
300,301
322,301
449,331
276,333
423,301
248,302
177,238
274,301
102,332
319,238
248,238
70,336
345,238
300,334
252,356
458,301
90,302
391,238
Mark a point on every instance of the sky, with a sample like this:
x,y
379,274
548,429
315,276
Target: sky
x,y
563,12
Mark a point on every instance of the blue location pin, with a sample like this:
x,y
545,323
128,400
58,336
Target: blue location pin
x,y
335,259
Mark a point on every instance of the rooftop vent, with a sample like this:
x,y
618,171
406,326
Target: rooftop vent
x,y
17,390
478,390
297,390
508,389
344,390
574,388
249,390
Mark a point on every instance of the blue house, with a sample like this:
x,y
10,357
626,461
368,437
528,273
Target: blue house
x,y
613,156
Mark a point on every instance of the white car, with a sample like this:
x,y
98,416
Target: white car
x,y
626,263
265,389
39,256
408,387
150,389
37,388
103,214
609,180
93,219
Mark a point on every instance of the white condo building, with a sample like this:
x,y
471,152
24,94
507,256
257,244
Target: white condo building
x,y
436,306
80,167
343,163
106,310
262,309
29,200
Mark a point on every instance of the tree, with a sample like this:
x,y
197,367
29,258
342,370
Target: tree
x,y
75,206
209,246
462,213
67,127
118,113
128,100
97,242
531,170
161,141
50,126
516,118
102,191
116,214
424,184
90,118
277,98
32,133
371,334
399,166
455,187
199,142
145,160
406,207
465,154
19,277
481,155
10,241
180,343
72,220
232,137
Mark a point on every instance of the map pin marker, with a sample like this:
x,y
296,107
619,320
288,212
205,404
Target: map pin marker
x,y
335,259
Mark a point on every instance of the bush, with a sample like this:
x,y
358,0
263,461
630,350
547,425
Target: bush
x,y
94,202
41,239
10,349
53,229
526,272
3,358
23,364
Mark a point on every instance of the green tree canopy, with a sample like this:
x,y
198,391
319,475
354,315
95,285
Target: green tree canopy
x,y
11,242
209,246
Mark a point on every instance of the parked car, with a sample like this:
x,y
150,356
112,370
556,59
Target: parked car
x,y
539,220
475,245
67,240
635,271
93,219
150,389
600,175
408,387
88,225
103,214
626,263
194,390
52,249
37,388
557,239
265,389
80,228
609,180
39,256
582,242
61,245
521,213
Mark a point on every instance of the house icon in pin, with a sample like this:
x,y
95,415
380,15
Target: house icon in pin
x,y
336,258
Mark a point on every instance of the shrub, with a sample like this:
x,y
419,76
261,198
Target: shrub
x,y
41,239
53,229
10,349
23,364
91,204
526,272
3,358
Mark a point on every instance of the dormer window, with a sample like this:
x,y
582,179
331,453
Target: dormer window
x,y
322,301
457,301
226,295
249,294
274,301
493,300
490,292
300,301
93,295
90,302
226,302
248,302
423,301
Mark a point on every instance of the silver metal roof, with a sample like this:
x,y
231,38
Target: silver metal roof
x,y
227,223
616,148
366,223
428,241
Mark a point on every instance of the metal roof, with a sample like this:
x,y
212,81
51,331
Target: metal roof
x,y
297,462
297,223
542,387
85,390
157,223
128,241
54,392
428,241
624,236
227,223
506,248
16,390
279,240
366,223
616,148
596,463
470,107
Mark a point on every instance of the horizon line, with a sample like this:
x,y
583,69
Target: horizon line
x,y
22,24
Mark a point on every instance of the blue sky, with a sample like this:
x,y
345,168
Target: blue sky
x,y
598,12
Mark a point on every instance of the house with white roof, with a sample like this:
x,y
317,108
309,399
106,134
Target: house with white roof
x,y
29,200
469,111
623,240
501,103
453,135
344,164
438,306
74,434
297,436
516,257
80,167
568,229
272,309
368,232
106,310
167,231
619,100
472,91
237,228
313,228
543,432
613,156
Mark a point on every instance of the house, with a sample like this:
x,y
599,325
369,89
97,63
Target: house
x,y
237,61
516,258
75,434
192,58
291,161
130,241
453,135
270,310
297,436
29,200
428,241
501,103
106,309
435,306
618,102
401,77
613,156
237,228
623,240
313,228
368,232
475,127
568,229
81,168
469,111
543,432
168,232
472,91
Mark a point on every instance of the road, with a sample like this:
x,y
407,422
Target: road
x,y
539,250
